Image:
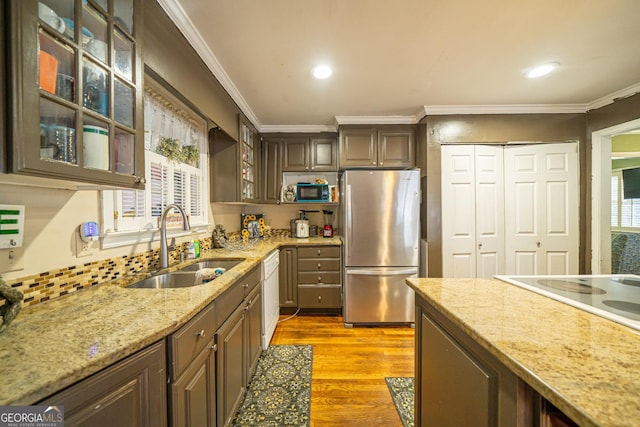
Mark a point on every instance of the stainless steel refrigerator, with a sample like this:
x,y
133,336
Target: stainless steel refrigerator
x,y
381,223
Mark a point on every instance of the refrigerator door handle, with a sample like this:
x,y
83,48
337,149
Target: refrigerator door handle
x,y
348,219
376,272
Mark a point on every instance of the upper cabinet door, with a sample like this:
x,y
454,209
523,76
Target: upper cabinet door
x,y
271,173
323,153
295,155
76,90
396,147
358,147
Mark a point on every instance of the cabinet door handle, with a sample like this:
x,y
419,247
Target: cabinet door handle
x,y
201,333
213,347
381,163
246,285
373,163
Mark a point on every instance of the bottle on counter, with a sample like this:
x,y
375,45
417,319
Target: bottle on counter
x,y
191,253
196,244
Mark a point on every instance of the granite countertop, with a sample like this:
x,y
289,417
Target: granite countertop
x,y
587,366
57,343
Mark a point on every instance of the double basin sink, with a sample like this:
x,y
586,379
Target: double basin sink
x,y
185,277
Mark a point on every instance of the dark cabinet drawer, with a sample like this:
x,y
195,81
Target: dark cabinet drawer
x,y
319,252
318,265
191,339
320,277
314,296
232,297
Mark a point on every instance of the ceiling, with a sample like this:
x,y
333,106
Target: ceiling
x,y
395,61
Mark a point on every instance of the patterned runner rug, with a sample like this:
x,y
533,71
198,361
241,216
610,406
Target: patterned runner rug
x,y
280,390
402,392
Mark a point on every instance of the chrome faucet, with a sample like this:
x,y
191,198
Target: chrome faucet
x,y
164,250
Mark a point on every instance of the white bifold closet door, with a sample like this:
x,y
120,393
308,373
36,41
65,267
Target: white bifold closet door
x,y
509,209
472,210
541,200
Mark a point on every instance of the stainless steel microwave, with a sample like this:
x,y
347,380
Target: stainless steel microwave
x,y
312,193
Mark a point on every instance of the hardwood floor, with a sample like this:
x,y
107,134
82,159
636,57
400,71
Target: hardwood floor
x,y
349,367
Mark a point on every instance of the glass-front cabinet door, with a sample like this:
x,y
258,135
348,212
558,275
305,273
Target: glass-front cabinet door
x,y
248,160
76,82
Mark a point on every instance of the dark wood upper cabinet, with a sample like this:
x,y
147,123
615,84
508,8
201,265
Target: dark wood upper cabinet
x,y
76,85
234,165
295,154
389,146
271,173
309,153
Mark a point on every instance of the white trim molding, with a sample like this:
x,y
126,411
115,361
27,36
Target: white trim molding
x,y
611,98
297,128
441,110
186,27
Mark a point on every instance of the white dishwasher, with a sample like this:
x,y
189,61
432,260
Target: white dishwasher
x,y
270,296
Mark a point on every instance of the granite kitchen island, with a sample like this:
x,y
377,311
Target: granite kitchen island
x,y
528,353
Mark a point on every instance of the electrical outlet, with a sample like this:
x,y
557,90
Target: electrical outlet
x,y
11,259
84,249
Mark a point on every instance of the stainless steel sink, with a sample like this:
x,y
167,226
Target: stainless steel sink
x,y
226,263
167,280
185,277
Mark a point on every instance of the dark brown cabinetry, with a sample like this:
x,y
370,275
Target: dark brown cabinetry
x,y
460,383
130,393
316,153
192,352
238,341
271,174
288,277
319,284
391,146
233,165
76,80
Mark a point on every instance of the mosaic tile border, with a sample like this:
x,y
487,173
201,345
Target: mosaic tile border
x,y
48,285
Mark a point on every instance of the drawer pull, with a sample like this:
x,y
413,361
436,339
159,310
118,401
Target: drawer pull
x,y
213,347
319,266
201,334
319,279
319,298
318,252
246,285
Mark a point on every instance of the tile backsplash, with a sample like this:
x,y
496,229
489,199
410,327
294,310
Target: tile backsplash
x,y
55,283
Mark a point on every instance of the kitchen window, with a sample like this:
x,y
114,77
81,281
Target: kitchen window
x,y
625,213
176,172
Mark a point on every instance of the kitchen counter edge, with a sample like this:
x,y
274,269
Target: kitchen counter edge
x,y
585,365
57,343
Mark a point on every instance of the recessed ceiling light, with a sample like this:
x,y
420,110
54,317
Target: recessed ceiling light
x,y
322,72
542,70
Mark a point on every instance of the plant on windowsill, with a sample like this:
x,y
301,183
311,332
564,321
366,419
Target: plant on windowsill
x,y
170,148
191,155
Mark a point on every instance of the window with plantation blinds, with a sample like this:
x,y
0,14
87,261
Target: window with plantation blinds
x,y
175,167
625,213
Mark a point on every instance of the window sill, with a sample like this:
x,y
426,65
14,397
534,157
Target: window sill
x,y
116,239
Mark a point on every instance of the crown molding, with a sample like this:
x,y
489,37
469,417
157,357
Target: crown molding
x,y
297,128
440,110
377,120
177,14
611,98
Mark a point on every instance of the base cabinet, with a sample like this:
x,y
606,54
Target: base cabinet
x,y
458,382
130,393
288,280
239,344
192,355
193,395
319,283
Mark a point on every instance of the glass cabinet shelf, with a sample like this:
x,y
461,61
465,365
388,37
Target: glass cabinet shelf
x,y
89,88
